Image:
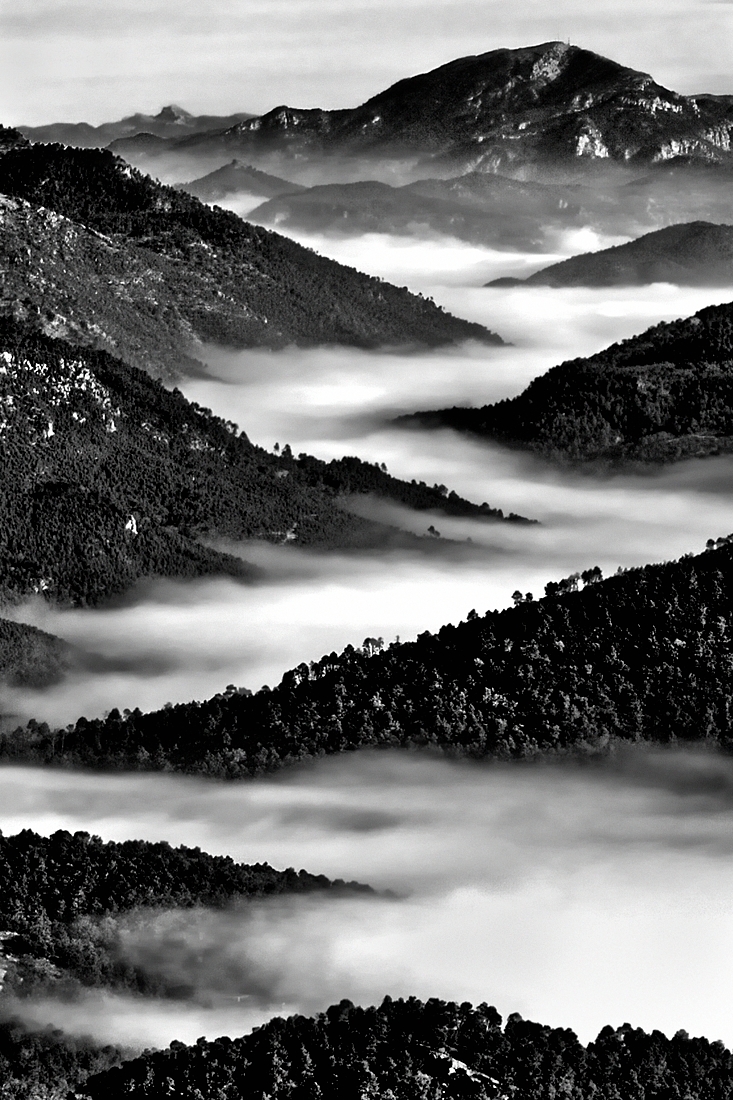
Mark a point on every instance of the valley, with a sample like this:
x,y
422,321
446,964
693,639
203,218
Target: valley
x,y
366,587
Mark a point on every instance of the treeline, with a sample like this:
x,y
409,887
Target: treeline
x,y
663,395
643,655
267,290
410,1050
108,477
56,891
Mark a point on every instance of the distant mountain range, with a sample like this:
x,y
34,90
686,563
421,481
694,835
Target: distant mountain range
x,y
550,103
111,258
171,122
501,212
663,395
693,254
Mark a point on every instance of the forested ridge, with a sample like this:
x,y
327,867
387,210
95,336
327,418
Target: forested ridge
x,y
696,253
169,271
410,1050
62,896
663,395
646,654
108,477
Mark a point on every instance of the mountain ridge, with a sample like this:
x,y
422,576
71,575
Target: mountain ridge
x,y
543,103
663,395
689,254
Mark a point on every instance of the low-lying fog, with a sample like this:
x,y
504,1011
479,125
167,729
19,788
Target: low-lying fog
x,y
579,895
177,641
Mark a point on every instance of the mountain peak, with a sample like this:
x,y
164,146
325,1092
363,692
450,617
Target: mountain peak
x,y
172,113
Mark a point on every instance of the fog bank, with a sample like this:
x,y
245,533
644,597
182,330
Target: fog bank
x,y
577,895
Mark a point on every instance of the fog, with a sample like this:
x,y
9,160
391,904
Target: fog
x,y
576,895
174,641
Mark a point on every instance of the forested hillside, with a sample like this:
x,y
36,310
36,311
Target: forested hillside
x,y
642,655
693,254
108,477
57,890
165,260
410,1050
31,657
663,395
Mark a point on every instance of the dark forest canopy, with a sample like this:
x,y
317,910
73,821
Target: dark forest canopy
x,y
46,1064
640,656
410,1050
63,895
108,477
663,395
31,657
146,271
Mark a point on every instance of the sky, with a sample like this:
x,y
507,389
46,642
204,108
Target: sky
x,y
90,60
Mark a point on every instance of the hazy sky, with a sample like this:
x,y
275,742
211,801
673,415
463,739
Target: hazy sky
x,y
99,59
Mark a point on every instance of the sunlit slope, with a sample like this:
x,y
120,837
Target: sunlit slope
x,y
148,272
412,1049
663,395
692,254
642,655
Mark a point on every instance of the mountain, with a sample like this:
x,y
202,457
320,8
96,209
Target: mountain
x,y
96,250
170,122
663,395
570,672
413,1050
237,177
540,104
108,477
693,254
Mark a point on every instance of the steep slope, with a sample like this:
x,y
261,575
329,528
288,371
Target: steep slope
x,y
695,254
130,265
413,1050
573,671
234,177
108,477
551,102
170,122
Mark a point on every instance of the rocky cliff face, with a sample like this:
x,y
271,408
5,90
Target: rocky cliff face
x,y
506,108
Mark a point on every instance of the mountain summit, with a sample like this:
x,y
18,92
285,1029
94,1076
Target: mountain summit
x,y
551,102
